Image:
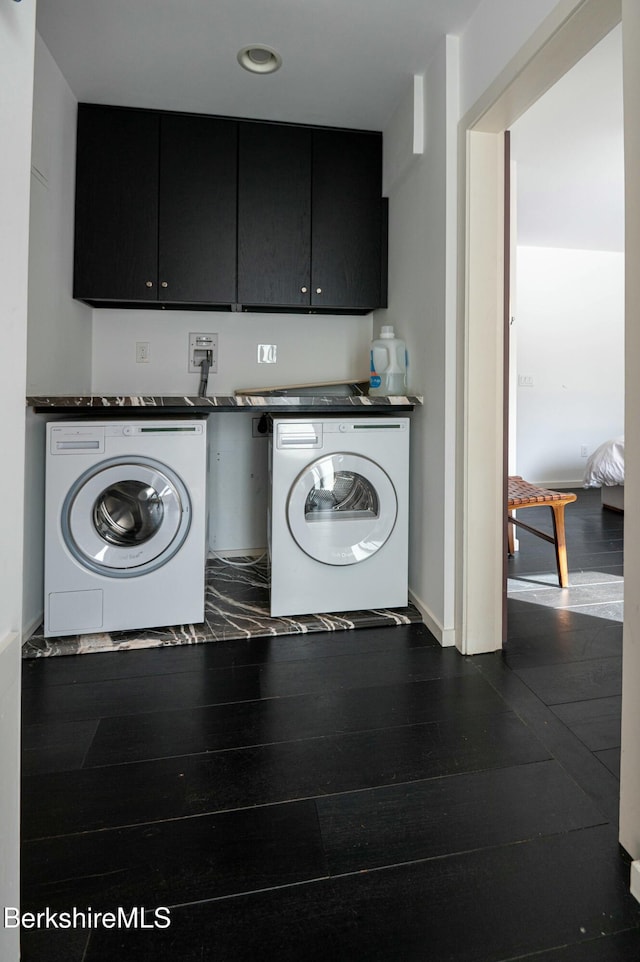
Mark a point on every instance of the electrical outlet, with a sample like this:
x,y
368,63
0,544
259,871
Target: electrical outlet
x,y
584,451
261,427
142,352
526,380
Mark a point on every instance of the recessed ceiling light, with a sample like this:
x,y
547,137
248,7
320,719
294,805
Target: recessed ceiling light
x,y
259,59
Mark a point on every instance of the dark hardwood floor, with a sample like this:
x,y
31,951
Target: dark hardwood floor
x,y
348,796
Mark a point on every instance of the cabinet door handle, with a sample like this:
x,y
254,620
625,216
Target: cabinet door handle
x,y
318,290
303,290
164,284
149,283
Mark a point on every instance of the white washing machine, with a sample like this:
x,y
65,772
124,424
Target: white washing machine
x,y
125,522
338,525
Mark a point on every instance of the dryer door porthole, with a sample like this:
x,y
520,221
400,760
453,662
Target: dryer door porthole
x,y
126,517
342,509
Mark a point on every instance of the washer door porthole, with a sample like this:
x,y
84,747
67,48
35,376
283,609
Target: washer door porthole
x,y
128,513
126,517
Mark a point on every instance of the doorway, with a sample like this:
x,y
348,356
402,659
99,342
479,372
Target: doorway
x,y
566,370
480,496
479,549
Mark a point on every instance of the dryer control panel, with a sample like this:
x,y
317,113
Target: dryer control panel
x,y
310,434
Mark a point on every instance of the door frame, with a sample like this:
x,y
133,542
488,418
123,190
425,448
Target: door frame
x,y
558,44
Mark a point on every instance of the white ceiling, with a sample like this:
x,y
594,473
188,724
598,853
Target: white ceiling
x,y
568,149
345,62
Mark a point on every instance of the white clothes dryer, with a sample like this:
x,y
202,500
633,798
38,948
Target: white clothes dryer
x,y
125,525
338,524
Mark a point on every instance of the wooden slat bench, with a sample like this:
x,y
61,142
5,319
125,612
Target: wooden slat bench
x,y
521,494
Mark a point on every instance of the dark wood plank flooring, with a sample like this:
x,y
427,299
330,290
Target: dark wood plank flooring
x,y
354,796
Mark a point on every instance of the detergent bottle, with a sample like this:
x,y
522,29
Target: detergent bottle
x,y
388,365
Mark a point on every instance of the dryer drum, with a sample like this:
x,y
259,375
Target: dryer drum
x,y
347,491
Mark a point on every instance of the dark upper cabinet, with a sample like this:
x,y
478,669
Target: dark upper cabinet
x,y
116,233
347,250
310,218
274,215
182,210
197,220
155,207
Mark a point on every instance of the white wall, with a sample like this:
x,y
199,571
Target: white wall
x,y
59,333
570,342
310,348
17,30
422,216
570,157
59,329
238,484
494,34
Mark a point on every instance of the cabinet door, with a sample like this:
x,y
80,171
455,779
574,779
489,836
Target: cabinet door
x,y
116,231
274,209
197,236
346,233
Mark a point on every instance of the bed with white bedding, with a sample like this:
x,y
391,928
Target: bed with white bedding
x,y
605,470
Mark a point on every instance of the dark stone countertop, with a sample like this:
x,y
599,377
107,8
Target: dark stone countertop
x,y
278,402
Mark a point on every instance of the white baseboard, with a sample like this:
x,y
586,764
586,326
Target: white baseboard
x,y
559,485
445,636
30,627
